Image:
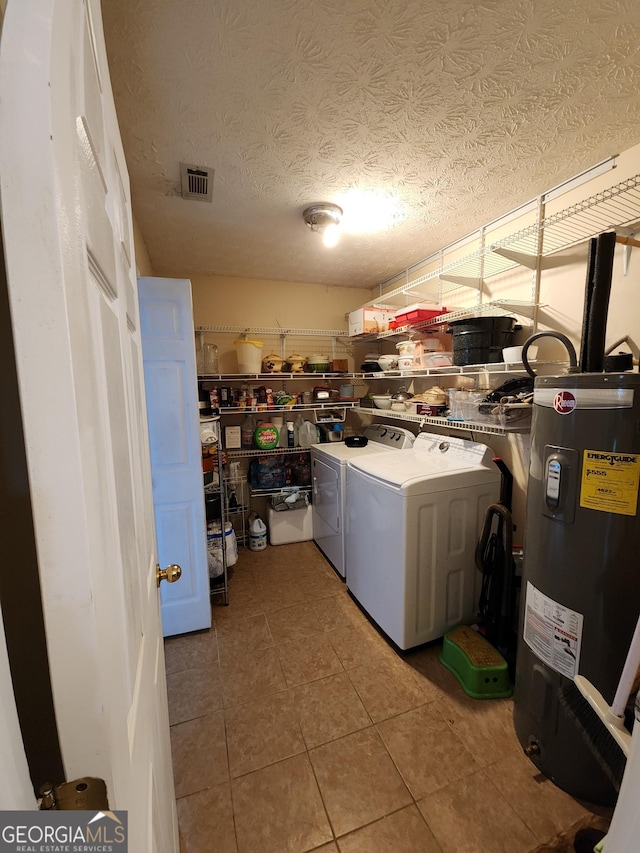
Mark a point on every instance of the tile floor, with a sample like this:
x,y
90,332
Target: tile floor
x,y
296,727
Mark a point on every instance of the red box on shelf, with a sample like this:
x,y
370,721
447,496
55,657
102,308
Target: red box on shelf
x,y
417,315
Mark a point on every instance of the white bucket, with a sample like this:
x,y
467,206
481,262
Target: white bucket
x,y
249,356
257,533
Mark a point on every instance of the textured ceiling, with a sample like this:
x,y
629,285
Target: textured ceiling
x,y
459,111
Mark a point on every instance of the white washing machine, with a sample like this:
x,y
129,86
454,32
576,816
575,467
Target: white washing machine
x,y
413,522
328,467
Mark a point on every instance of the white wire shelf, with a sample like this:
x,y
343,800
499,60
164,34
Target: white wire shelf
x,y
256,491
463,426
453,370
263,330
264,377
467,370
241,453
617,207
497,308
263,409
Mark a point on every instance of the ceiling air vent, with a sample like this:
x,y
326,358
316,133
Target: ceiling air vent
x,y
197,182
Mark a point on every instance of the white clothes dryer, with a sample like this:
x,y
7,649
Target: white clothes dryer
x,y
413,523
328,468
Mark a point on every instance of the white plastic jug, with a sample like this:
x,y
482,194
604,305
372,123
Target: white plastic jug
x,y
308,434
257,533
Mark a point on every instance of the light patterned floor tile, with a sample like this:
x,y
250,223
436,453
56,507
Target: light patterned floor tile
x,y
308,659
262,732
194,692
426,752
199,751
279,809
205,816
248,676
404,831
471,815
329,709
358,780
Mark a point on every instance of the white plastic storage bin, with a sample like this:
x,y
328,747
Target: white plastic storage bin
x,y
249,355
291,525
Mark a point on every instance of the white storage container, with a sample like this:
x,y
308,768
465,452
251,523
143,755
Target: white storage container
x,y
249,355
291,525
370,320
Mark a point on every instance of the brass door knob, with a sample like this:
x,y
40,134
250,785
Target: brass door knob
x,y
171,574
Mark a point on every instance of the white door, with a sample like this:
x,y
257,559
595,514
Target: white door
x,y
16,790
168,352
66,219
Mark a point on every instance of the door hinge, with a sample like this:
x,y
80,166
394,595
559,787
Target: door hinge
x,y
84,794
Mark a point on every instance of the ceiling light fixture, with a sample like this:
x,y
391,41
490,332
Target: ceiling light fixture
x,y
325,218
367,211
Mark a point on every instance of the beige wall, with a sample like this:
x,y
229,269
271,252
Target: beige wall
x,y
143,262
253,303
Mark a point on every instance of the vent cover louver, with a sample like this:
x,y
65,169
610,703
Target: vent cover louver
x,y
197,182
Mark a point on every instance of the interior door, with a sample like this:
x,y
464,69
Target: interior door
x,y
66,218
168,351
16,790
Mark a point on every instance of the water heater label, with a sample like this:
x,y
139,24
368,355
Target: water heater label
x,y
552,631
610,481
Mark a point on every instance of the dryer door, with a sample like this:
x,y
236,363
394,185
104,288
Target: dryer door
x,y
326,495
327,511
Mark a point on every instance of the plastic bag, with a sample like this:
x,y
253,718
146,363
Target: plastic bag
x,y
298,469
267,472
214,548
291,498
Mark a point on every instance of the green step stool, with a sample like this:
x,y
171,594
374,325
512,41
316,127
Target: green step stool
x,y
478,666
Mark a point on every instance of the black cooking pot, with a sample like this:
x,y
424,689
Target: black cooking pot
x,y
480,340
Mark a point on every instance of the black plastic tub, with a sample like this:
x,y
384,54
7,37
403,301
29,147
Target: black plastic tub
x,y
480,340
212,505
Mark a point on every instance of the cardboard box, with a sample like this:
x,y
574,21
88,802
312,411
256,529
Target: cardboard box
x,y
370,320
340,365
290,525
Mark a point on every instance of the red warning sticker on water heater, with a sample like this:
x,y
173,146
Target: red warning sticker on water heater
x,y
564,402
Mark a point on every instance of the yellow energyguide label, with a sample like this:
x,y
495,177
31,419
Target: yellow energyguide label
x,y
610,481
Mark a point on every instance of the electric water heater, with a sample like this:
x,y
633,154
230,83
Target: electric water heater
x,y
580,595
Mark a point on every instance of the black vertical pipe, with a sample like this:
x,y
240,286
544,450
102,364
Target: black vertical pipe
x,y
597,321
588,299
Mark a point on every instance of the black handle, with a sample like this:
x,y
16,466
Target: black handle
x,y
506,487
573,359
